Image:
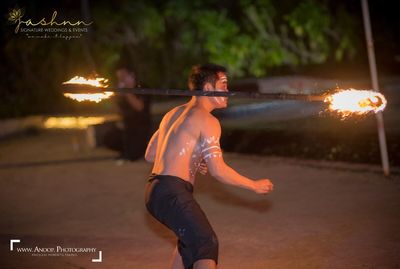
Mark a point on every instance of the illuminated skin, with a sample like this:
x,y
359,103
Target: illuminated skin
x,y
188,137
181,127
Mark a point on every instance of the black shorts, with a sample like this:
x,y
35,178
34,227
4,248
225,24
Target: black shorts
x,y
170,200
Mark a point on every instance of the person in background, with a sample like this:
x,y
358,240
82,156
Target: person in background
x,y
135,115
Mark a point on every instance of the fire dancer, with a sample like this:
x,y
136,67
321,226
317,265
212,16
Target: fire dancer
x,y
186,142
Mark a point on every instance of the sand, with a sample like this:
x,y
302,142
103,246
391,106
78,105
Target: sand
x,y
56,192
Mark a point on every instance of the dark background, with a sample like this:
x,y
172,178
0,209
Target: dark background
x,y
32,70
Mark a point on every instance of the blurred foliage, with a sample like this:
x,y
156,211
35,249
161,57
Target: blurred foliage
x,y
163,39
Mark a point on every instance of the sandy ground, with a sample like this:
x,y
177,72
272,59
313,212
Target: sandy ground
x,y
321,215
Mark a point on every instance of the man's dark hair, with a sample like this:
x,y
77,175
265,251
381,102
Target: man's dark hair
x,y
201,74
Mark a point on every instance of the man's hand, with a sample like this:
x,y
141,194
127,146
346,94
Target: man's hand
x,y
263,186
203,167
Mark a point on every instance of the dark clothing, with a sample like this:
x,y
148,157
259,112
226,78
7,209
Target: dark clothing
x,y
127,111
137,127
170,200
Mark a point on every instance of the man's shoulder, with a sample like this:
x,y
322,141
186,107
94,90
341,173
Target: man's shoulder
x,y
174,110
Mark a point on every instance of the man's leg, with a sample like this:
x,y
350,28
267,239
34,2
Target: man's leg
x,y
176,262
205,264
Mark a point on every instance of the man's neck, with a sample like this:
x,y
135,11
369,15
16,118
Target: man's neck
x,y
201,102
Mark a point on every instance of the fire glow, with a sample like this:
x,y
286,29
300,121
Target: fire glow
x,y
94,82
356,102
72,122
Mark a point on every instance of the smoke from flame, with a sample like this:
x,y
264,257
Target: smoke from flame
x,y
356,102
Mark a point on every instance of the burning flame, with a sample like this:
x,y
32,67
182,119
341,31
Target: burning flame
x,y
93,97
96,82
358,102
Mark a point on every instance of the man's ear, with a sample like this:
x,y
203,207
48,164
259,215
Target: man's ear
x,y
208,87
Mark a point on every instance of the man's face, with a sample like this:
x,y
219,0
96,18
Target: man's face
x,y
221,85
125,78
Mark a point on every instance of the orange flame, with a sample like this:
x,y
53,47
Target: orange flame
x,y
96,82
356,102
93,97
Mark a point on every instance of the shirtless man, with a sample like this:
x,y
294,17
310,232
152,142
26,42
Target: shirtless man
x,y
186,141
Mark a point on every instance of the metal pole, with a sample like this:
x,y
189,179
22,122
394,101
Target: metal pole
x,y
374,78
79,88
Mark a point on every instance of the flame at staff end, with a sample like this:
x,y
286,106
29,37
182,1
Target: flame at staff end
x,y
93,97
356,102
94,82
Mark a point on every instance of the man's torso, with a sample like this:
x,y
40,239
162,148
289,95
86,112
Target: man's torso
x,y
179,147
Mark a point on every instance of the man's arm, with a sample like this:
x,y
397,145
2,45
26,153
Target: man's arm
x,y
151,150
212,154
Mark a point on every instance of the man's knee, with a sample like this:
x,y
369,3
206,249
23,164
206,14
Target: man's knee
x,y
201,247
207,248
